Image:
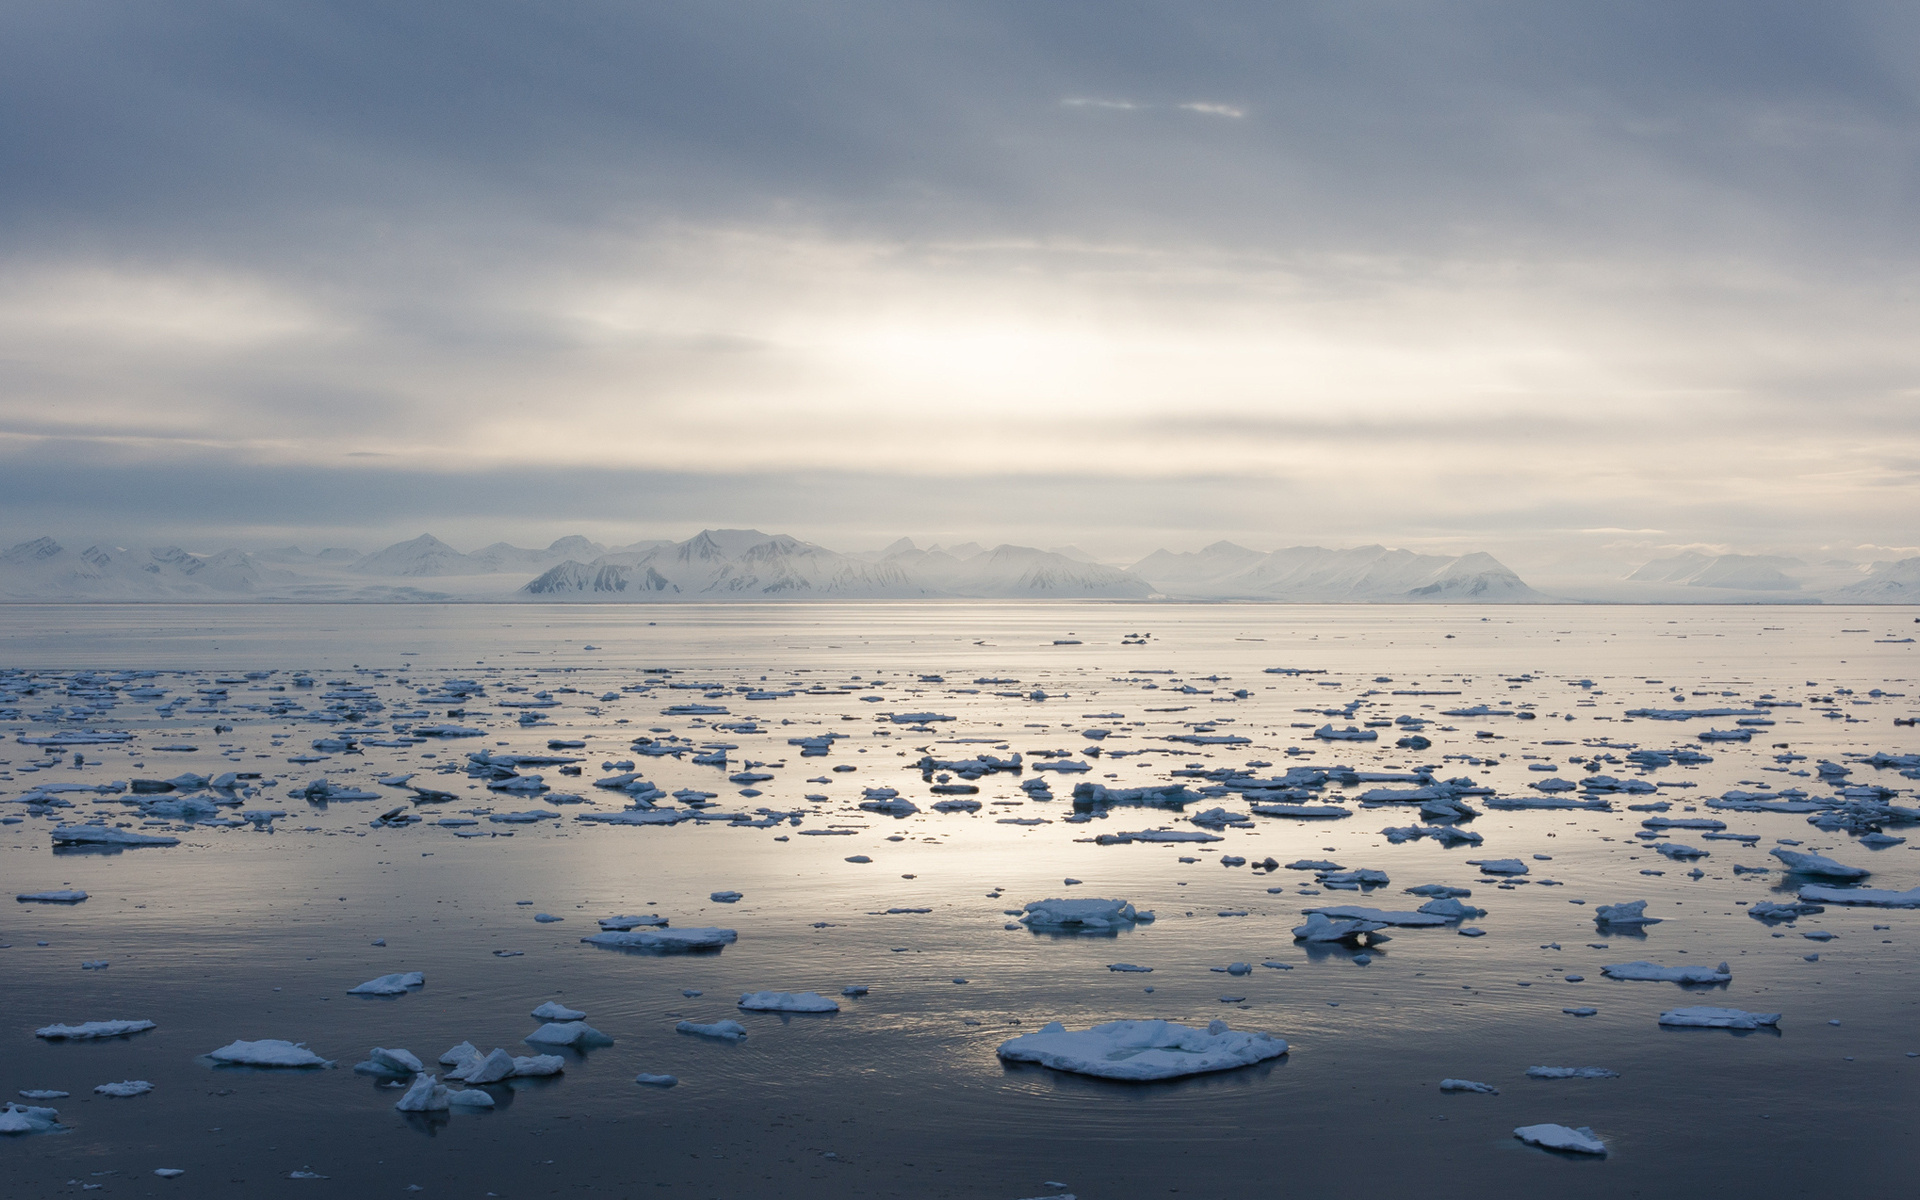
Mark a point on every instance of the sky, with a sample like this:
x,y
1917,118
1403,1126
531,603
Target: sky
x,y
1575,284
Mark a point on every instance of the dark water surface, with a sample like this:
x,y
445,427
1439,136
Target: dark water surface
x,y
247,933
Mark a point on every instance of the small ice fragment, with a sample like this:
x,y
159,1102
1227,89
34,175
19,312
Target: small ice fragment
x,y
1571,1073
553,1011
1468,1085
656,1080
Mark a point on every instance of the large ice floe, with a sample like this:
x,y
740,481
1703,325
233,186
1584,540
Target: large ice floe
x,y
1870,897
108,835
1560,1137
267,1052
1143,1050
1655,972
397,984
1817,864
90,1030
27,1118
1709,1017
799,1002
665,940
1083,916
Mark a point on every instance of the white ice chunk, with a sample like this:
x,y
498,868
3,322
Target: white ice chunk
x,y
577,1034
1654,971
1559,1137
125,1088
395,984
731,1031
393,1062
107,835
494,1067
1708,1017
804,1002
1818,864
1872,897
1501,866
88,1030
461,1055
1143,1050
54,897
1468,1085
25,1118
1631,912
1090,915
469,1098
552,1011
268,1052
691,938
427,1094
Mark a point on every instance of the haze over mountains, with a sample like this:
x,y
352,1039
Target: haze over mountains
x,y
746,564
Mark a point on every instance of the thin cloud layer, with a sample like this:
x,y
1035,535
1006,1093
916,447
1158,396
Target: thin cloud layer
x,y
1127,275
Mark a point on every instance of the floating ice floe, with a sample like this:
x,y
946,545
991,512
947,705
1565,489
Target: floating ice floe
x,y
656,1080
1709,1017
577,1034
268,1052
800,1002
90,1030
125,1088
554,1011
1310,812
1381,916
107,835
632,922
1657,973
1468,1085
1871,897
427,1094
1157,835
382,1061
1628,913
1817,864
1143,1050
26,1118
64,896
1499,866
666,940
1560,1137
1320,928
396,984
731,1031
1571,1073
1089,916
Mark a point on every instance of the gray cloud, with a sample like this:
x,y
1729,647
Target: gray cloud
x,y
1107,272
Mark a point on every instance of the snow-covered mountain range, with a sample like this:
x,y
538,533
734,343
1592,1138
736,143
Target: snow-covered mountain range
x,y
745,564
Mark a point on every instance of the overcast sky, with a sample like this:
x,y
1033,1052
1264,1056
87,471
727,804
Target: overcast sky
x,y
1557,281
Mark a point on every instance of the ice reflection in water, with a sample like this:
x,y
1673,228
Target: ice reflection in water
x,y
257,933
